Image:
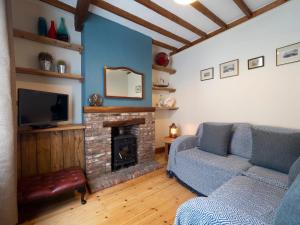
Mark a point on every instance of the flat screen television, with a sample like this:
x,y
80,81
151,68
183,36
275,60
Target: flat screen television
x,y
41,109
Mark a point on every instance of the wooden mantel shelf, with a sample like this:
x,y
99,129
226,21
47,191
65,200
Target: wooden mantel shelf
x,y
117,109
53,129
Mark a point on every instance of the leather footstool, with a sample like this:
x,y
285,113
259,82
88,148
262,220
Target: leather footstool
x,y
52,184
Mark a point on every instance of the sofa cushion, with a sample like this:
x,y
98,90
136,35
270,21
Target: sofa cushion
x,y
268,176
204,171
294,171
216,138
274,149
257,199
241,142
289,210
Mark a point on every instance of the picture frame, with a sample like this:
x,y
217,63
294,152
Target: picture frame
x,y
138,89
255,63
288,54
229,69
207,74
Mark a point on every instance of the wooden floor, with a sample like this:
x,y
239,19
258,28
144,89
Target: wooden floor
x,y
150,199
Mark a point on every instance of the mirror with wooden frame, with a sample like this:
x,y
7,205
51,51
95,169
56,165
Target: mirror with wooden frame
x,y
123,82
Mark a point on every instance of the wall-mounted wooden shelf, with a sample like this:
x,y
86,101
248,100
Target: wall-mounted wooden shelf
x,y
38,72
45,40
163,69
167,108
53,129
164,89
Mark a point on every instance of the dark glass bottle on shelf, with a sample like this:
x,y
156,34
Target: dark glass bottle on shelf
x,y
62,32
42,26
52,30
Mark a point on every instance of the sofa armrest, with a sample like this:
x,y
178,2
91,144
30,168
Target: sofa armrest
x,y
183,143
180,144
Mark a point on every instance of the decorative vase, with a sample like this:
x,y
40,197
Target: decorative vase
x,y
42,26
45,65
162,59
52,30
62,32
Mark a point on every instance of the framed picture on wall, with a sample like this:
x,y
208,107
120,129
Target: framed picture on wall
x,y
207,74
138,89
256,62
229,69
288,54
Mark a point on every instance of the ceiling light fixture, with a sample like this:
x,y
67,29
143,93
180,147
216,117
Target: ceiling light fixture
x,y
184,2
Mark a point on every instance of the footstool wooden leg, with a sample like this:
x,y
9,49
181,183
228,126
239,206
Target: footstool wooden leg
x,y
82,191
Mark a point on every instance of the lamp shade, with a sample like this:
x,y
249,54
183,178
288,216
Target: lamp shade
x,y
184,2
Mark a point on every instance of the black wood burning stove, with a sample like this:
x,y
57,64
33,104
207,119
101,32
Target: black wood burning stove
x,y
124,151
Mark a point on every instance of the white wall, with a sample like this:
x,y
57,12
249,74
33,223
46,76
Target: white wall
x,y
268,95
25,17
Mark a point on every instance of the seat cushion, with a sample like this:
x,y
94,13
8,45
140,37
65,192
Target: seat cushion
x,y
51,184
216,138
268,176
289,210
275,149
255,198
205,171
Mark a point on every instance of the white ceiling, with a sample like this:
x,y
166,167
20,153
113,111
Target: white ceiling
x,y
226,10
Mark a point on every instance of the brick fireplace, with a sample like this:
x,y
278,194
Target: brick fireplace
x,y
104,125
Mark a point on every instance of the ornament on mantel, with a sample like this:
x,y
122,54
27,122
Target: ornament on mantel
x,y
95,100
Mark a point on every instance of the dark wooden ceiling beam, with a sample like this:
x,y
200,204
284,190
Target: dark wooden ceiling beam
x,y
82,11
205,11
243,6
122,13
244,19
60,5
164,45
171,16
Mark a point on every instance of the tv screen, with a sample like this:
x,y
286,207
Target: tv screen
x,y
41,108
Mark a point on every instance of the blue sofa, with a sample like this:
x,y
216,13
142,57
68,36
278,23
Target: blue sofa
x,y
238,192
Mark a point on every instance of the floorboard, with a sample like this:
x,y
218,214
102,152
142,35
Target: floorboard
x,y
149,199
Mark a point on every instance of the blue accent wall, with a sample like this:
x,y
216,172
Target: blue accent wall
x,y
109,43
